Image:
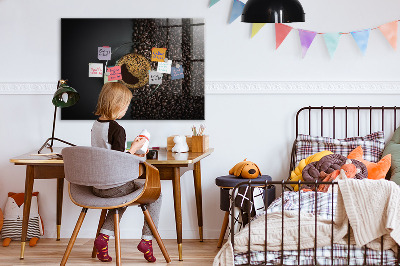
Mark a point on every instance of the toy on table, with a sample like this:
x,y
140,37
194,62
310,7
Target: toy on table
x,y
245,169
180,144
13,215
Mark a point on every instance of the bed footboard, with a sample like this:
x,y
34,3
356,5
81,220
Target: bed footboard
x,y
384,257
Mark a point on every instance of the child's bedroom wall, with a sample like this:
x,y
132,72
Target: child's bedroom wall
x,y
257,126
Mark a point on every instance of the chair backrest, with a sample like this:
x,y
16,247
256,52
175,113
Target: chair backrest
x,y
92,166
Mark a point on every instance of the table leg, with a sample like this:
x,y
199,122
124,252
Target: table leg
x,y
27,206
176,182
60,190
199,204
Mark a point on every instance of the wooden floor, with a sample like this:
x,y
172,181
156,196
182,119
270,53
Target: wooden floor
x,y
50,252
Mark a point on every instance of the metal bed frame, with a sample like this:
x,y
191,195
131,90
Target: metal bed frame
x,y
283,184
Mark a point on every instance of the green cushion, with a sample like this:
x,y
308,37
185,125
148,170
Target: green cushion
x,y
393,148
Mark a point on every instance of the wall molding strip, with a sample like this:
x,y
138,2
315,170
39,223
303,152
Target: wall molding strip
x,y
248,87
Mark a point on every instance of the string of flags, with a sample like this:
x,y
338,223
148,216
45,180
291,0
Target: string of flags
x,y
113,73
361,37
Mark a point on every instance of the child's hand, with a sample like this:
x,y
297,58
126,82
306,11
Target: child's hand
x,y
137,144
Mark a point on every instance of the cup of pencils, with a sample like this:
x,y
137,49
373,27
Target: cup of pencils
x,y
199,140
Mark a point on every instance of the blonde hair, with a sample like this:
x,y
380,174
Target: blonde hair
x,y
113,98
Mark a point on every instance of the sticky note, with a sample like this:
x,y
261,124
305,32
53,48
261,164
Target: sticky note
x,y
155,77
115,73
177,73
95,70
104,53
164,67
158,54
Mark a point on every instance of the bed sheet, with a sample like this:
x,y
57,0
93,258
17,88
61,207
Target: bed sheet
x,y
324,206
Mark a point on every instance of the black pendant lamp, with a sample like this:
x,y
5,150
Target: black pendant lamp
x,y
273,11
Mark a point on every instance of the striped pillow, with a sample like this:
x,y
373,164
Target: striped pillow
x,y
372,145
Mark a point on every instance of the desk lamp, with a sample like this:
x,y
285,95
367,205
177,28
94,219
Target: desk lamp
x,y
65,96
273,11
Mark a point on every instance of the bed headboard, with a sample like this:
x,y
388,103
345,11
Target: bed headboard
x,y
344,121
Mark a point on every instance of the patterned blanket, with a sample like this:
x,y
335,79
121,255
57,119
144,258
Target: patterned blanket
x,y
321,205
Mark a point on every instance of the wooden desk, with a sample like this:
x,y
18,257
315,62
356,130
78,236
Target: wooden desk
x,y
171,166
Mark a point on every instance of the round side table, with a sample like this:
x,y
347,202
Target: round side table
x,y
228,182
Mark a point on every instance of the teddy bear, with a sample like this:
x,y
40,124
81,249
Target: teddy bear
x,y
180,144
13,215
245,169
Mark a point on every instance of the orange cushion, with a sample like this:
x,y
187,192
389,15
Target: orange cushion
x,y
375,170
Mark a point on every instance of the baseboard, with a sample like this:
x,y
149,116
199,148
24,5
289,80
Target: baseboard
x,y
248,87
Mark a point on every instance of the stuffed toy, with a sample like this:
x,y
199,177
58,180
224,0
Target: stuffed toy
x,y
296,174
375,170
180,144
245,169
13,215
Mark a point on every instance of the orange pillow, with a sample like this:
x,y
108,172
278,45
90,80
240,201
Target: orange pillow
x,y
375,170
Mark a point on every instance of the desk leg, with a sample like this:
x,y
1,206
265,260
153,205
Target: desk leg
x,y
27,206
176,182
60,190
199,204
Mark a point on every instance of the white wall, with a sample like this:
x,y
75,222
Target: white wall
x,y
259,127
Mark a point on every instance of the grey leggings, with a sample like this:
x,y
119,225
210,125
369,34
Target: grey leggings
x,y
154,208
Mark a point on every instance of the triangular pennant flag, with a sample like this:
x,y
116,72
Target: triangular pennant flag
x,y
237,9
213,2
281,31
361,37
256,28
390,32
332,41
306,39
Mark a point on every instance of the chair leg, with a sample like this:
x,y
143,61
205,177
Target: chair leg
x,y
101,222
73,237
154,230
117,239
223,229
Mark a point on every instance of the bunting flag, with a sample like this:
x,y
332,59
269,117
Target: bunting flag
x,y
256,28
361,37
281,31
213,2
237,9
306,39
389,30
332,41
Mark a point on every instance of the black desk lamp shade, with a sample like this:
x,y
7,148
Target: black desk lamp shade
x,y
273,11
65,96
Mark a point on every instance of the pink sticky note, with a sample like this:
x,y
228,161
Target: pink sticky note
x,y
115,73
